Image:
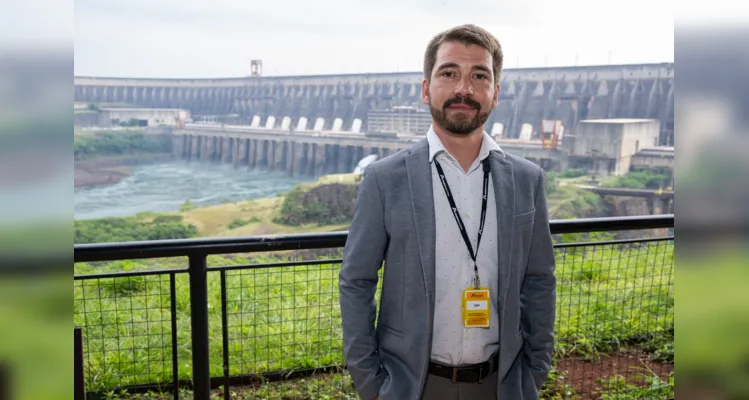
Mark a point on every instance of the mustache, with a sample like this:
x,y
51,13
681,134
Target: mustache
x,y
462,100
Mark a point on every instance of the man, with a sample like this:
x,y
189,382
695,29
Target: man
x,y
456,320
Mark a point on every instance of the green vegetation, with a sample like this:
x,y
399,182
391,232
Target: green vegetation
x,y
645,179
581,205
325,204
120,143
132,229
567,202
552,183
610,299
286,318
187,206
328,386
242,222
617,388
573,173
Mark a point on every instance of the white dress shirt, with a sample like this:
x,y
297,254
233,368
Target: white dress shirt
x,y
453,344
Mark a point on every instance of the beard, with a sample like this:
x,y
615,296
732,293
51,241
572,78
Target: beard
x,y
459,124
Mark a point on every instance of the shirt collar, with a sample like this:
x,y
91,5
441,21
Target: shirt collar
x,y
488,144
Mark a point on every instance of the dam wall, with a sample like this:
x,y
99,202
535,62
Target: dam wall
x,y
298,155
527,96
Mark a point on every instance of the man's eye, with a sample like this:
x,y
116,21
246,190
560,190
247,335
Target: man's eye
x,y
448,73
481,76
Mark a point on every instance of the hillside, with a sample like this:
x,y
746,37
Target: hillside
x,y
246,218
261,216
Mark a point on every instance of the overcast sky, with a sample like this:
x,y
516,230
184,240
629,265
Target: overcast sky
x,y
218,38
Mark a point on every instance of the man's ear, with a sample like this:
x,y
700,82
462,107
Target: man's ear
x,y
495,101
425,92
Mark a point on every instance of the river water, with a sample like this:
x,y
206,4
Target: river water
x,y
164,187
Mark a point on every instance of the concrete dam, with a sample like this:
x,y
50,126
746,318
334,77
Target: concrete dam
x,y
295,154
527,96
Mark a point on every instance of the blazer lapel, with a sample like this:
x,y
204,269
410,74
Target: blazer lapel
x,y
420,184
504,193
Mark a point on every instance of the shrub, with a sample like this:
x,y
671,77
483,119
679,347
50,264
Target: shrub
x,y
323,205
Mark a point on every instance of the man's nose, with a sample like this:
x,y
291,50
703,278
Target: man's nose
x,y
463,87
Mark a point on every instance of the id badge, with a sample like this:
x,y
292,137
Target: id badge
x,y
476,308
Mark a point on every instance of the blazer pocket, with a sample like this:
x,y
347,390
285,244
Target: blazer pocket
x,y
525,218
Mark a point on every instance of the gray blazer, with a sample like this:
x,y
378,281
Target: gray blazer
x,y
394,222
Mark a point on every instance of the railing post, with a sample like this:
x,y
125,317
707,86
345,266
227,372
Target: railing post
x,y
201,371
175,352
80,383
225,335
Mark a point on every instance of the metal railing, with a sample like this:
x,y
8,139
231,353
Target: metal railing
x,y
281,320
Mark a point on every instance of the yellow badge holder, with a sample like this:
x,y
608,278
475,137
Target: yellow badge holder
x,y
476,308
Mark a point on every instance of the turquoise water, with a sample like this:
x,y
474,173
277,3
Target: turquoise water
x,y
164,187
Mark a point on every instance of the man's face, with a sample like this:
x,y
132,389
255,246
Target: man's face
x,y
461,93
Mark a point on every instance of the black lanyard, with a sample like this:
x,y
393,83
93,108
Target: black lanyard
x,y
459,220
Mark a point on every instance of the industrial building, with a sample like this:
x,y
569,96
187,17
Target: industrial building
x,y
607,146
659,157
142,116
406,120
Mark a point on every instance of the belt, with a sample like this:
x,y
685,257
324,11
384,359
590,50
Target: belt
x,y
475,373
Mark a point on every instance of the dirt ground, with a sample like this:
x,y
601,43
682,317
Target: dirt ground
x,y
584,376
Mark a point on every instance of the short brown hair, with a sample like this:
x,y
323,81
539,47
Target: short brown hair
x,y
466,34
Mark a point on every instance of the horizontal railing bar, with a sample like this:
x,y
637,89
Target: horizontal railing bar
x,y
278,264
338,260
221,268
306,241
131,274
613,242
640,222
206,246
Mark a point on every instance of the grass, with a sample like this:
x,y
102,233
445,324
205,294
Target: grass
x,y
216,221
618,389
608,295
561,195
257,215
338,178
325,387
569,201
287,318
284,318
